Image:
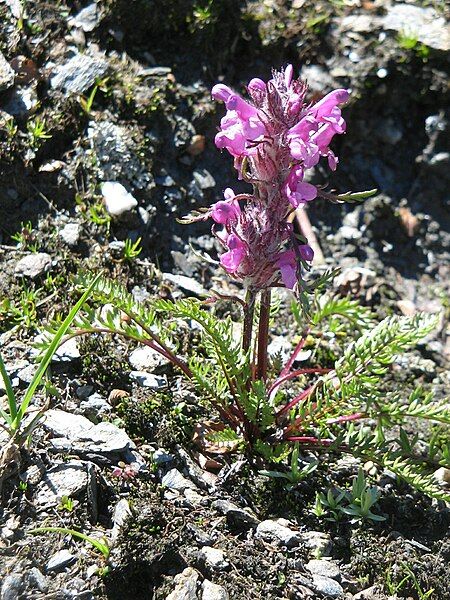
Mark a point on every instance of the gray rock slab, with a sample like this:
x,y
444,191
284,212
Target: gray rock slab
x,y
33,265
237,518
121,513
60,561
37,580
187,284
212,591
148,380
6,74
185,585
272,531
146,358
78,74
77,433
87,19
326,568
319,543
174,480
66,479
425,24
11,587
327,586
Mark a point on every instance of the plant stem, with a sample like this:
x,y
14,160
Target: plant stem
x,y
249,309
263,335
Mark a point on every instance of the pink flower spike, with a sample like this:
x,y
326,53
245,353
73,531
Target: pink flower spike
x,y
332,160
298,191
243,108
228,194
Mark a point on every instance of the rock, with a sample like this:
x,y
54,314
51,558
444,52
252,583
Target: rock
x,y
21,101
121,513
212,591
424,24
11,587
187,284
66,479
237,518
117,200
202,537
33,265
6,74
67,352
371,593
79,435
60,561
204,179
146,358
162,457
78,74
84,391
27,373
214,558
327,587
318,78
95,407
275,532
174,480
37,580
87,19
185,585
70,234
360,23
317,542
325,568
442,475
148,380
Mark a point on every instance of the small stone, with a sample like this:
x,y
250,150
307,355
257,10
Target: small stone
x,y
350,233
6,74
21,101
66,479
442,475
78,74
117,200
197,145
37,580
95,407
121,513
148,380
33,265
67,352
317,542
174,480
84,391
162,457
212,591
325,568
186,283
146,358
327,586
60,561
70,234
87,19
204,179
371,593
27,373
214,558
273,531
185,585
11,587
237,518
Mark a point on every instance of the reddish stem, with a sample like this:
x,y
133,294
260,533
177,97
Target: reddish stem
x,y
305,439
296,400
346,418
298,348
263,335
281,380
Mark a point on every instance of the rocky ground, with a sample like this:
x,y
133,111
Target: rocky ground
x,y
118,93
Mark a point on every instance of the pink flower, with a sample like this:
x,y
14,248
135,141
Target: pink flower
x,y
287,263
296,190
236,252
226,211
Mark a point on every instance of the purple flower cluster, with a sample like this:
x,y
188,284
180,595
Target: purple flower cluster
x,y
274,139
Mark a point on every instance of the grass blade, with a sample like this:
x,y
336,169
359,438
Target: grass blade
x,y
9,392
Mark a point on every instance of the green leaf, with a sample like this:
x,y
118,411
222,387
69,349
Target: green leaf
x,y
100,546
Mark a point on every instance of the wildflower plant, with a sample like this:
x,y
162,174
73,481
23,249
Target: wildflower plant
x,y
275,137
